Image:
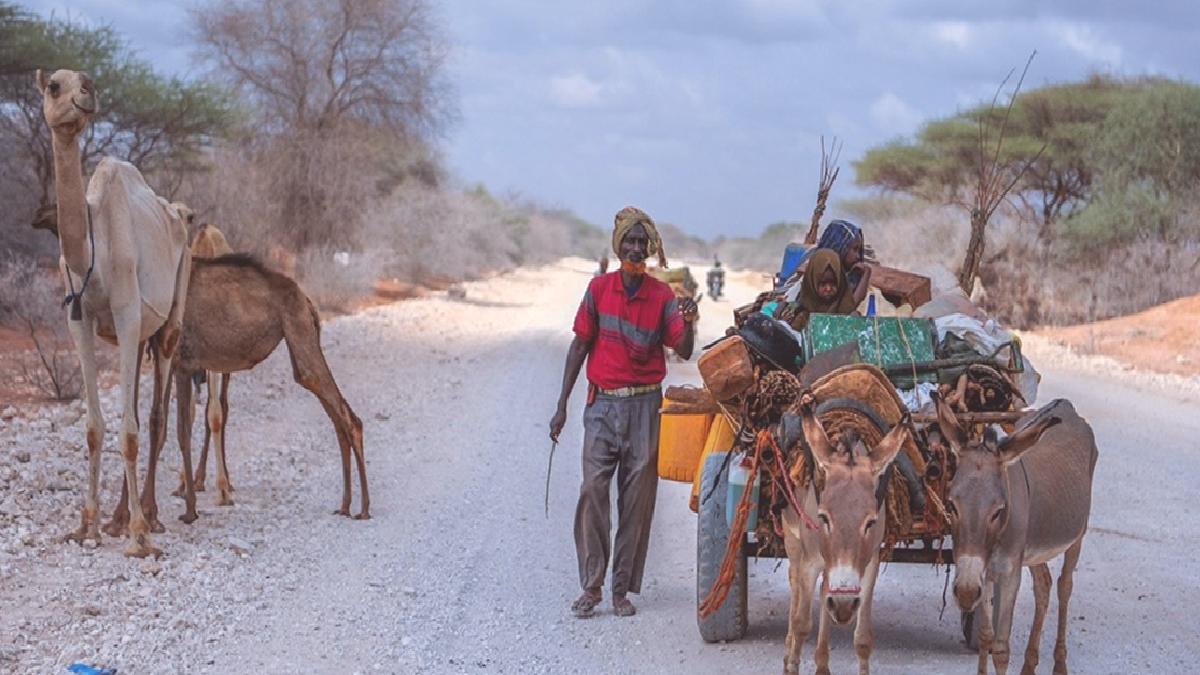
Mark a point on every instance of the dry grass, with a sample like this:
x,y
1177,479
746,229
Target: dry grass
x,y
32,309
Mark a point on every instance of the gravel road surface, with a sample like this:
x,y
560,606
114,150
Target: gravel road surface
x,y
460,571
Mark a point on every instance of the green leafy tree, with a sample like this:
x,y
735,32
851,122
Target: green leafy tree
x,y
162,125
1049,131
1148,158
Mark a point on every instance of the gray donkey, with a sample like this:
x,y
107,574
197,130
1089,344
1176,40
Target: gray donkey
x,y
1015,503
845,548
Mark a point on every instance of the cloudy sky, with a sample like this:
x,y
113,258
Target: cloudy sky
x,y
709,114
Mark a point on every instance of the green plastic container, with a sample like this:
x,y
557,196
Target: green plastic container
x,y
829,331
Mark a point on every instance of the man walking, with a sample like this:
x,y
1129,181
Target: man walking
x,y
623,323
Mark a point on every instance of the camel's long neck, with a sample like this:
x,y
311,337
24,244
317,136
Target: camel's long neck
x,y
72,203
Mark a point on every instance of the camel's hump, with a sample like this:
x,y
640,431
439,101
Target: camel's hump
x,y
120,198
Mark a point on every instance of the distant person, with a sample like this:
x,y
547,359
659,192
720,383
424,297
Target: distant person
x,y
716,279
625,320
823,290
846,239
603,266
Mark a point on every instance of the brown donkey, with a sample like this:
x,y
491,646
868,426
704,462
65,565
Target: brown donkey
x,y
1015,503
241,312
845,548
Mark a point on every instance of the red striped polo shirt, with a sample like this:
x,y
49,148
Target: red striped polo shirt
x,y
627,335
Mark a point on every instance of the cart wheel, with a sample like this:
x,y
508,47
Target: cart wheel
x,y
970,628
712,534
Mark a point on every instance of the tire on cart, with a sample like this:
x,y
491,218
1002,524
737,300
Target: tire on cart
x,y
730,620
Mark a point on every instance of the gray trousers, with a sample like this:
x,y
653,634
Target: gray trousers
x,y
621,436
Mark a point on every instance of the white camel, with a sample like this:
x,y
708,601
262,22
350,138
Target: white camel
x,y
125,266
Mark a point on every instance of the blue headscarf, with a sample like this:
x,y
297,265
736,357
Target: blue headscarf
x,y
839,235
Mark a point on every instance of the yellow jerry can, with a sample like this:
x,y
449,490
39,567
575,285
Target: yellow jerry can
x,y
681,439
720,439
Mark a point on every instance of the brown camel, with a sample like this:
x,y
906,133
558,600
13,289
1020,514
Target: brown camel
x,y
241,311
211,243
124,263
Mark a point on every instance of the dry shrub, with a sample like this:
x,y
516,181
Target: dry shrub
x,y
336,280
437,233
913,236
1030,286
33,307
294,192
1028,282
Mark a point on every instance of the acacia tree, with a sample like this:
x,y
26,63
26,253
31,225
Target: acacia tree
x,y
1148,161
1057,124
326,77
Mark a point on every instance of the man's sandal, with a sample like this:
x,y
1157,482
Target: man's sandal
x,y
585,605
622,606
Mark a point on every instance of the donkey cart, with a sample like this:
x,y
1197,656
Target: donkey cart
x,y
852,395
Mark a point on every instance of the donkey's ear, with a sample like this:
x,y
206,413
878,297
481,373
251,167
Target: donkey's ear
x,y
814,434
948,424
41,80
886,450
1022,440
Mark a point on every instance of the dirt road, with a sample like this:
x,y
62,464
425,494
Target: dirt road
x,y
459,571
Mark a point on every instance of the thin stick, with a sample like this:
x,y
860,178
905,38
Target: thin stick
x,y
829,175
549,465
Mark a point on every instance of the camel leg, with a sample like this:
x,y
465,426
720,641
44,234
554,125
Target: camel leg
x,y
215,412
128,325
158,432
802,578
198,483
202,464
82,335
1006,602
1041,600
821,653
1066,580
119,524
225,378
311,371
864,635
185,411
985,626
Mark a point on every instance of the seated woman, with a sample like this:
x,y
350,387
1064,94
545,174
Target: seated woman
x,y
846,239
824,290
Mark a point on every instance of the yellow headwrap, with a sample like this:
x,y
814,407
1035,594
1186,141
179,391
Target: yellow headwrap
x,y
625,220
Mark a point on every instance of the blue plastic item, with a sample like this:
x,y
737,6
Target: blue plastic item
x,y
793,255
84,669
871,305
739,478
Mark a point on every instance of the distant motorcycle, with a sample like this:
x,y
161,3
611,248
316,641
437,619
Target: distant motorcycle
x,y
716,282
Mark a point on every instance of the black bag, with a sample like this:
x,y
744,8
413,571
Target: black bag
x,y
771,340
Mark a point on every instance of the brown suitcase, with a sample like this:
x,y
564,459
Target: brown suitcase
x,y
727,369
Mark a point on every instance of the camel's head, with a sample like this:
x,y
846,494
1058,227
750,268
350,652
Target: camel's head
x,y
186,214
46,218
850,507
978,499
69,100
